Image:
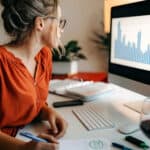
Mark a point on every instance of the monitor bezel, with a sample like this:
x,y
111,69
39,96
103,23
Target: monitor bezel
x,y
129,10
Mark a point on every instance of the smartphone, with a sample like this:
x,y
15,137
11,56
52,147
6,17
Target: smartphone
x,y
68,103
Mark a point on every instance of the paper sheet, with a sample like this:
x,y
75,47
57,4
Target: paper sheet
x,y
85,144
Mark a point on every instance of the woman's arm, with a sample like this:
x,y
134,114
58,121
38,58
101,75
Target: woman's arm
x,y
10,143
57,123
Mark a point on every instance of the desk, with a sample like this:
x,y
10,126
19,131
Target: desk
x,y
112,105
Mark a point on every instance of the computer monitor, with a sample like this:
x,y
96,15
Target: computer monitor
x,y
129,61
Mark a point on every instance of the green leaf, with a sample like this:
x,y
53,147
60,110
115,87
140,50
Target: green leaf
x,y
71,52
71,44
75,50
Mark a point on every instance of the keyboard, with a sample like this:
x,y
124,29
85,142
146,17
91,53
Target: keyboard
x,y
91,118
135,106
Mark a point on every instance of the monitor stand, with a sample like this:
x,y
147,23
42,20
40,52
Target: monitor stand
x,y
135,106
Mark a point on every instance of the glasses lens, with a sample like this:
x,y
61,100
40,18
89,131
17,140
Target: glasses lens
x,y
62,23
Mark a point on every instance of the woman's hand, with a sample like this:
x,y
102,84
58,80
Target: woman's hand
x,y
53,145
57,123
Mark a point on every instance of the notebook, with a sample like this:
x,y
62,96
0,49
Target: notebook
x,y
86,90
85,144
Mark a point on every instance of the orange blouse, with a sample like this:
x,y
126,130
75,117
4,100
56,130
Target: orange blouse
x,y
21,95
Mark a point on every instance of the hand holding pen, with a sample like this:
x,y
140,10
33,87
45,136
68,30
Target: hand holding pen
x,y
43,141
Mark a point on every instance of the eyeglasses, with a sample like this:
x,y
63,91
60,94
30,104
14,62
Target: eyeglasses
x,y
61,22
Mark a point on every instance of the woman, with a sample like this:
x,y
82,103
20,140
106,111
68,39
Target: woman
x,y
25,71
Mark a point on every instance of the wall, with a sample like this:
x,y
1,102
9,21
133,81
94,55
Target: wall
x,y
85,16
3,36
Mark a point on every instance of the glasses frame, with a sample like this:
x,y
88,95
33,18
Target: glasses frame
x,y
61,22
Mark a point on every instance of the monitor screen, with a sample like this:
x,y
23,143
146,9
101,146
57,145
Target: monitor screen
x,y
130,41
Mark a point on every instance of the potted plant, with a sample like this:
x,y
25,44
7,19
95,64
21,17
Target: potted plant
x,y
65,60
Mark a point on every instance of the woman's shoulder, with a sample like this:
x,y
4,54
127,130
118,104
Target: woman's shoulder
x,y
2,49
5,54
45,53
44,56
2,52
46,50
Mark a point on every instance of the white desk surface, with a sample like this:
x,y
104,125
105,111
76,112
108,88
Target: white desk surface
x,y
111,104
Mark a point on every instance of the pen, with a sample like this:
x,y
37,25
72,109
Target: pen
x,y
122,147
33,137
136,142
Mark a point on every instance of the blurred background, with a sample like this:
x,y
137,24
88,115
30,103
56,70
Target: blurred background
x,y
88,22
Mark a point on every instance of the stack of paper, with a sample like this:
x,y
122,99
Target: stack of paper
x,y
58,86
86,90
89,92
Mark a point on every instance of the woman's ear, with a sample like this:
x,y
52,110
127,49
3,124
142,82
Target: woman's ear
x,y
39,23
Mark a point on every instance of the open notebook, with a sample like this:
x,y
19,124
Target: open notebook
x,y
86,90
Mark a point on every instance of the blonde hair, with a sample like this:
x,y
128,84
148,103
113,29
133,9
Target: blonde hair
x,y
19,15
